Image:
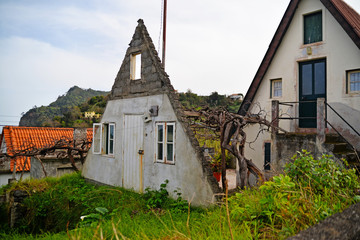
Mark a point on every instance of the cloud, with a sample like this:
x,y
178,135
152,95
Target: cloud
x,y
35,73
46,47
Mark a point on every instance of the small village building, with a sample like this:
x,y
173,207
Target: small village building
x,y
308,84
237,96
21,139
92,115
143,139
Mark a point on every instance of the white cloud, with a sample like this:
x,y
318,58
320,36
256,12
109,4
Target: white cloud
x,y
35,73
48,46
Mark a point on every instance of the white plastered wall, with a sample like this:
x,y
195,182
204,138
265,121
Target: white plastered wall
x,y
341,55
186,175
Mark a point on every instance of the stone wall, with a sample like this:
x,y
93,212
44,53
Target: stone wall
x,y
154,79
344,226
16,210
286,145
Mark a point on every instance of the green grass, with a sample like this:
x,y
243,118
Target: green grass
x,y
310,191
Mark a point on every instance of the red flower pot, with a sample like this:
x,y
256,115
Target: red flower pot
x,y
217,175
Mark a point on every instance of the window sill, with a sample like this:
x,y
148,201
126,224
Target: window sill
x,y
105,155
352,94
166,163
312,44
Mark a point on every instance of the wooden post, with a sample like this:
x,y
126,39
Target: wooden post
x,y
223,159
275,116
321,120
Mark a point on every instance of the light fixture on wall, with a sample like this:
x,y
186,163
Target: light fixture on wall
x,y
154,111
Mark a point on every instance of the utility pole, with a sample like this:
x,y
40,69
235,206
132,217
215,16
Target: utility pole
x,y
164,35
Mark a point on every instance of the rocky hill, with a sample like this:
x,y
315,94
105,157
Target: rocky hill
x,y
68,110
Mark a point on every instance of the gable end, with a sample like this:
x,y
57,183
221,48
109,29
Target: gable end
x,y
153,79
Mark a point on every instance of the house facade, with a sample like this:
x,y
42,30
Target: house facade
x,y
24,139
312,65
143,138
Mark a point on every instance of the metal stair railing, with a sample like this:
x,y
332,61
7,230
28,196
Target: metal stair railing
x,y
338,132
342,119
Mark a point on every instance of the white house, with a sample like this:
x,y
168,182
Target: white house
x,y
142,139
310,71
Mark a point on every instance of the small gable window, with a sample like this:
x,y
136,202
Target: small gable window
x,y
165,142
353,81
313,28
135,66
103,138
276,88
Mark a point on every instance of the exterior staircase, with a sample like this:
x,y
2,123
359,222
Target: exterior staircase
x,y
341,149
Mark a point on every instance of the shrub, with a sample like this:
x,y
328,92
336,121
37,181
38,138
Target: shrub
x,y
322,174
160,199
310,191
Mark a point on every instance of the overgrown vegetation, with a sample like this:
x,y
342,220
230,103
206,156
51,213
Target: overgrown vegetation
x,y
191,100
69,109
308,191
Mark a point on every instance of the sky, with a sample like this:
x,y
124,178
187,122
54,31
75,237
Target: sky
x,y
46,46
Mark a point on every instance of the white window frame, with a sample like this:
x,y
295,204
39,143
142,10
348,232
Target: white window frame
x,y
135,66
102,140
275,90
165,142
348,79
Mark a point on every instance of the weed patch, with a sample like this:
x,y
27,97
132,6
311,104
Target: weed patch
x,y
308,191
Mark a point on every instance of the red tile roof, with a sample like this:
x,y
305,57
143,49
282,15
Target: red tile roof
x,y
20,138
351,16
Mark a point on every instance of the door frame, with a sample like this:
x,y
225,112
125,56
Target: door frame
x,y
136,153
303,105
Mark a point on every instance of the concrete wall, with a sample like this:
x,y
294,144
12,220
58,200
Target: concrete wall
x,y
187,174
4,177
286,147
53,167
341,55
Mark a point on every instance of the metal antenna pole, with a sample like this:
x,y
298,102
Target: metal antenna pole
x,y
164,35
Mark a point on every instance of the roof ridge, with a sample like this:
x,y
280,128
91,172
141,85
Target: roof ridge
x,y
332,7
349,13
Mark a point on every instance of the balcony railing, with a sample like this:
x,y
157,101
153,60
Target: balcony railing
x,y
322,108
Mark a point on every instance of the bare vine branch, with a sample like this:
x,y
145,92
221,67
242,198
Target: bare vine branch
x,y
230,127
63,148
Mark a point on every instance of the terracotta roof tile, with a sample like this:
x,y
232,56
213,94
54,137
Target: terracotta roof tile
x,y
20,138
352,17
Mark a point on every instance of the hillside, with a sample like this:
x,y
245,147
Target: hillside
x,y
65,110
214,100
69,109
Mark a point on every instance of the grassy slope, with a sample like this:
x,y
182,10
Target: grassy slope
x,y
311,191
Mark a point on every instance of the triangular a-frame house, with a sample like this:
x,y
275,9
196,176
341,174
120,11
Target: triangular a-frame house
x,y
142,139
308,84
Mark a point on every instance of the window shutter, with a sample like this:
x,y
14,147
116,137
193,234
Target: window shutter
x,y
97,132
